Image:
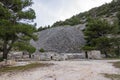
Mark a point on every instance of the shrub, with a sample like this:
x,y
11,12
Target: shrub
x,y
41,50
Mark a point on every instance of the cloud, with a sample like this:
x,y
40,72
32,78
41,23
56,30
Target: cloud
x,y
50,11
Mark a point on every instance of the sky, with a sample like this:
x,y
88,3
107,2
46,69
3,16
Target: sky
x,y
50,11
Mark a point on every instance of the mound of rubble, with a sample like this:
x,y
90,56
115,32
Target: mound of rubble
x,y
63,39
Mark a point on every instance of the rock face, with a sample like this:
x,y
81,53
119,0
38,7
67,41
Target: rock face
x,y
61,39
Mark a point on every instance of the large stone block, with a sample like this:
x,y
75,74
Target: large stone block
x,y
94,54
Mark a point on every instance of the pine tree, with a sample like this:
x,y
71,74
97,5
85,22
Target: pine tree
x,y
116,37
96,35
14,33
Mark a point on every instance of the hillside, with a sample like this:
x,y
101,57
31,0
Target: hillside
x,y
107,10
60,39
67,36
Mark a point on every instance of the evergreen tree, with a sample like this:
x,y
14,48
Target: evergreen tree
x,y
14,33
96,35
116,38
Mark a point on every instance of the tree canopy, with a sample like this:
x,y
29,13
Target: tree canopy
x,y
103,36
14,33
96,35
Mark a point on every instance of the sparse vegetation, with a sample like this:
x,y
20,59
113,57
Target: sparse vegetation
x,y
23,68
106,10
116,64
114,76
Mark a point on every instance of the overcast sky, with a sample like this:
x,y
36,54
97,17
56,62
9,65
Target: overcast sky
x,y
50,11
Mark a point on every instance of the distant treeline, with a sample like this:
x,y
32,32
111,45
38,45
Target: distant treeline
x,y
106,10
43,28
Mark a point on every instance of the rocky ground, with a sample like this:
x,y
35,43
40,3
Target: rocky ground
x,y
67,70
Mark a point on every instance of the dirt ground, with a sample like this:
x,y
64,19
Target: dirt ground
x,y
67,70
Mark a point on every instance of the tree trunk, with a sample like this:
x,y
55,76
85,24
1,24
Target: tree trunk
x,y
106,55
29,55
5,54
5,51
118,51
86,54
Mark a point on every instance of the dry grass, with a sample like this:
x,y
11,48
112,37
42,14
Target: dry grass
x,y
116,64
114,76
23,68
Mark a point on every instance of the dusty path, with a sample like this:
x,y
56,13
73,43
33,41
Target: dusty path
x,y
67,70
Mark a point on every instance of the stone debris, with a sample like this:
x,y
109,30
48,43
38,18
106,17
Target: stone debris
x,y
63,39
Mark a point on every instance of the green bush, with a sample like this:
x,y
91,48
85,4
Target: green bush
x,y
41,50
88,48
